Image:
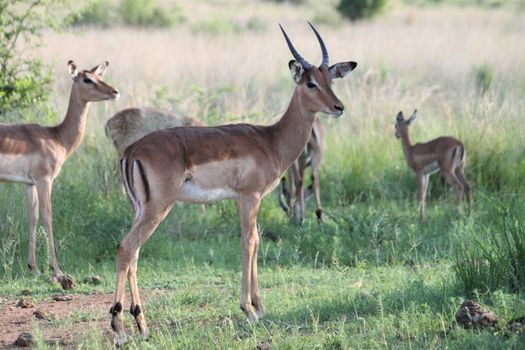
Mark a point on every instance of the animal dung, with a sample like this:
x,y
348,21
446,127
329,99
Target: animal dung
x,y
471,316
24,304
24,340
62,297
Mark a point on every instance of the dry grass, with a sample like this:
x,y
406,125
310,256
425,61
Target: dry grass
x,y
406,58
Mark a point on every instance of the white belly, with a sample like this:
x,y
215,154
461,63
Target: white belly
x,y
431,168
190,192
16,168
16,178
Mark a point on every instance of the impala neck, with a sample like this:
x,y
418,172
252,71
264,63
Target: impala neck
x,y
293,130
71,130
405,140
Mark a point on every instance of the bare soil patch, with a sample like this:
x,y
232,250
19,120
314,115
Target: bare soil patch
x,y
92,311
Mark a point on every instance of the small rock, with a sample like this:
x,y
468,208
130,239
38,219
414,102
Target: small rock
x,y
24,304
470,315
62,297
517,327
95,280
24,340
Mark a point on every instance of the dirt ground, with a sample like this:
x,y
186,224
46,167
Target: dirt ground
x,y
15,320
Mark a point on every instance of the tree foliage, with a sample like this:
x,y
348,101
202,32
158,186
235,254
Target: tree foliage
x,y
24,80
360,9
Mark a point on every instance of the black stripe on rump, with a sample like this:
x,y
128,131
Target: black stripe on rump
x,y
144,179
127,180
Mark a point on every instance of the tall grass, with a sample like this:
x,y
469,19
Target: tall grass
x,y
492,258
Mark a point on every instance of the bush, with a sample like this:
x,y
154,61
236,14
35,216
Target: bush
x,y
146,13
98,13
24,82
360,9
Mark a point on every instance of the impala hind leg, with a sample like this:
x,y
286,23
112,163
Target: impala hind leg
x,y
250,298
32,218
458,187
316,163
127,257
299,204
422,185
460,174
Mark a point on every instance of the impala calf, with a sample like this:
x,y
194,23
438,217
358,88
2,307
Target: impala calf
x,y
129,125
242,162
444,153
33,155
292,196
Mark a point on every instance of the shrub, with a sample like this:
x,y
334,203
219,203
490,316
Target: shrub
x,y
98,13
360,9
24,82
146,13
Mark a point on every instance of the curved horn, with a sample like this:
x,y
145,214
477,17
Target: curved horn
x,y
294,52
323,47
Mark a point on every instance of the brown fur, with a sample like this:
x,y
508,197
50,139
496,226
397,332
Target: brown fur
x,y
204,164
34,154
292,193
446,154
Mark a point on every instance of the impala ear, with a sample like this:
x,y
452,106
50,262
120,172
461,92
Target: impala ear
x,y
100,69
297,71
412,117
341,69
72,69
399,116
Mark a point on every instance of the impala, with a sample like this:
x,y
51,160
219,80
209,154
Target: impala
x,y
33,155
242,162
129,125
292,196
444,153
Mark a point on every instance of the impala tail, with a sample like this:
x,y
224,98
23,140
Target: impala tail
x,y
135,183
458,155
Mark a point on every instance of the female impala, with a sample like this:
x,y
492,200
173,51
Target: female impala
x,y
33,155
444,153
292,196
204,164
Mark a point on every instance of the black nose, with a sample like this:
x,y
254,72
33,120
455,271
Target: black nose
x,y
115,91
339,108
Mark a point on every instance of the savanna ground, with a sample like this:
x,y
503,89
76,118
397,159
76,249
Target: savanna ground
x,y
371,276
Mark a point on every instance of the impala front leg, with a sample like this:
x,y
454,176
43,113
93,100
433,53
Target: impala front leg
x,y
32,218
250,299
256,295
44,189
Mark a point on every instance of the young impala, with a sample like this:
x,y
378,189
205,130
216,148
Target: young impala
x,y
242,162
292,196
444,153
33,155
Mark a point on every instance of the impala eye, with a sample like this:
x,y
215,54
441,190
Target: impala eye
x,y
88,81
311,85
